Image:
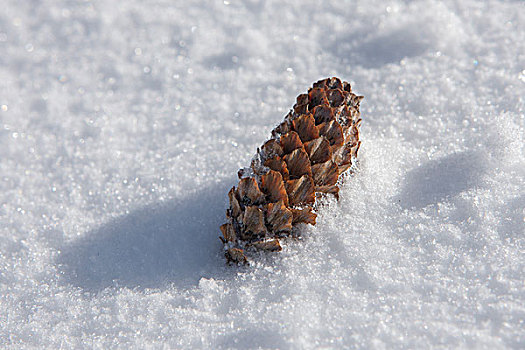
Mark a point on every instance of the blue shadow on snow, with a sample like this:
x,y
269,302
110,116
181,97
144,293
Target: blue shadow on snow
x,y
176,242
442,178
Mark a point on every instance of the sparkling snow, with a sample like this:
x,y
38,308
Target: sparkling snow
x,y
123,125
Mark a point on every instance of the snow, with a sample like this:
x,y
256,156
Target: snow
x,y
123,125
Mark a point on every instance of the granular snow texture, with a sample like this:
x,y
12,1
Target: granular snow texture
x,y
123,124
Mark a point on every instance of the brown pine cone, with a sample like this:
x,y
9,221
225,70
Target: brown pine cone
x,y
307,153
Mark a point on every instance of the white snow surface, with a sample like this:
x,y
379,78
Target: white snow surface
x,y
123,125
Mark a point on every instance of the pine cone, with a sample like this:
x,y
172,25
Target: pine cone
x,y
307,153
